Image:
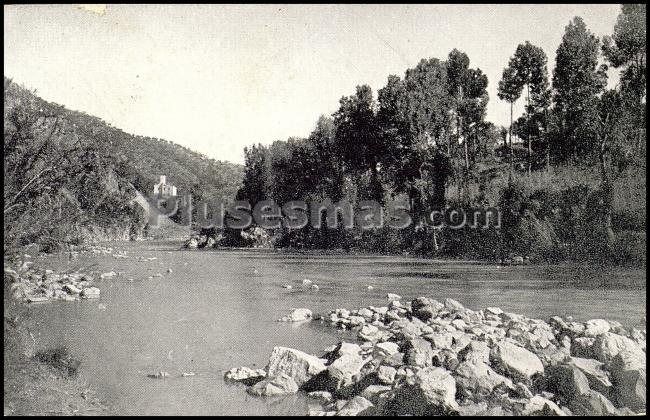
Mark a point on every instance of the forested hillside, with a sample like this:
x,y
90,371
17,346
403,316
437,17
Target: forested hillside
x,y
68,174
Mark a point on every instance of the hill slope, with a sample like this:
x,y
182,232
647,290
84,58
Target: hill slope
x,y
67,173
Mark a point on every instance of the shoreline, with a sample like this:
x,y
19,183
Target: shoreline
x,y
34,385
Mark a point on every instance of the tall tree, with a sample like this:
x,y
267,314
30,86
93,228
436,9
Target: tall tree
x,y
577,82
626,49
509,90
358,139
468,93
527,69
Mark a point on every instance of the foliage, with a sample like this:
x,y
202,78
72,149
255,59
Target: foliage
x,y
67,172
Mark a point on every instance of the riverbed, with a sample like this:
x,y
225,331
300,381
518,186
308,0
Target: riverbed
x,y
217,309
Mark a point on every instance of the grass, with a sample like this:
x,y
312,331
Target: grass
x,y
43,382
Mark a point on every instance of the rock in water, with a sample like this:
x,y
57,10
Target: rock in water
x,y
299,366
297,315
90,293
516,362
393,296
355,406
71,289
245,375
279,384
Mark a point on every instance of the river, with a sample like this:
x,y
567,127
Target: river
x,y
217,310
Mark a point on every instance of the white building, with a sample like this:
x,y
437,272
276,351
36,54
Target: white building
x,y
163,189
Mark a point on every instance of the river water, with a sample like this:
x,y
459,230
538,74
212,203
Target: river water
x,y
217,310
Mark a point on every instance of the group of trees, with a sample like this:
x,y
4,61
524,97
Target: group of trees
x,y
428,130
577,120
418,132
566,121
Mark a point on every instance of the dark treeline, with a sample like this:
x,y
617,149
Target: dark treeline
x,y
556,173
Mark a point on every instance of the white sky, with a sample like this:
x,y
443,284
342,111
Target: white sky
x,y
216,78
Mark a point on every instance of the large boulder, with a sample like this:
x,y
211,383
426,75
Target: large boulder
x,y
370,333
440,340
567,382
355,406
386,374
418,352
596,327
372,392
429,391
453,305
343,371
476,379
515,361
385,349
607,345
279,384
592,403
425,309
299,366
593,370
475,352
628,370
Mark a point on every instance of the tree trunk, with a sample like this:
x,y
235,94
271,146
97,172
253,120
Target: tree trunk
x,y
548,141
528,126
608,195
510,136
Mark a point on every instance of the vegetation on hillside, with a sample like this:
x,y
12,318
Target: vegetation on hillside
x,y
67,173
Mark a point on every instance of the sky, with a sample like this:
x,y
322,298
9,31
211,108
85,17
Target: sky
x,y
216,78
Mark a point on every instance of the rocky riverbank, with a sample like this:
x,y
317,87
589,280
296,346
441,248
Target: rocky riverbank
x,y
430,358
31,285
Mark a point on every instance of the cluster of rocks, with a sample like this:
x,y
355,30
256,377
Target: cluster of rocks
x,y
429,358
200,241
32,285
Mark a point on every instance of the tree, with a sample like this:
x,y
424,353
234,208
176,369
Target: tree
x,y
468,93
626,49
527,68
577,82
509,90
358,139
